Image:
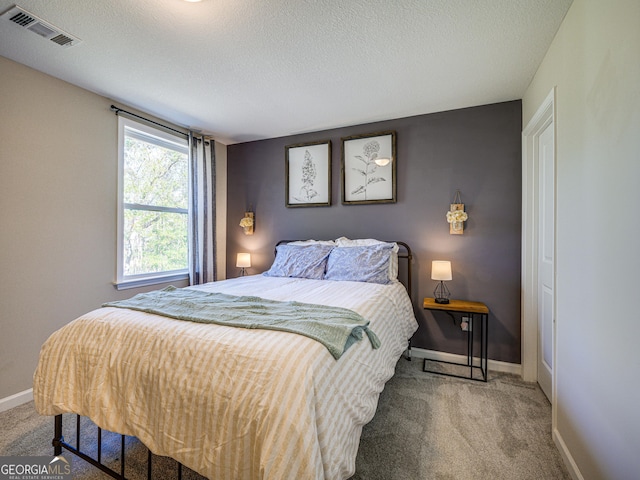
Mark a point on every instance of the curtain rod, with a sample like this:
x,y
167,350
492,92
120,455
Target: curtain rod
x,y
118,110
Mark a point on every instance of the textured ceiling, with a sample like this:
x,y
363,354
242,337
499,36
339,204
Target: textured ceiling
x,y
252,69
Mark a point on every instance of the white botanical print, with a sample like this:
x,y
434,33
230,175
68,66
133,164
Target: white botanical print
x,y
307,192
369,168
308,168
367,171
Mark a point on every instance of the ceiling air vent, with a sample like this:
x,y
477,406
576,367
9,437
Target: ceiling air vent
x,y
20,17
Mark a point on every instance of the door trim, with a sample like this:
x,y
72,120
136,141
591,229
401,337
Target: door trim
x,y
545,114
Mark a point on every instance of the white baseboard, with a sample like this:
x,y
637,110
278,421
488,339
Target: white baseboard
x,y
495,365
569,462
16,400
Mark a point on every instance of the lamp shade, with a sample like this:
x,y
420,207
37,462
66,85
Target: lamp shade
x,y
441,270
243,260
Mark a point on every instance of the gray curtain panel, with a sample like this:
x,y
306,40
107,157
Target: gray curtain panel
x,y
202,262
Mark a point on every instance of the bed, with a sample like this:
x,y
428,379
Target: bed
x,y
236,403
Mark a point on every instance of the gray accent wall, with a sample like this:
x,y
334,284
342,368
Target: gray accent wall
x,y
476,150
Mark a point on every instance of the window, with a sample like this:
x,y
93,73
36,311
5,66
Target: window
x,y
153,205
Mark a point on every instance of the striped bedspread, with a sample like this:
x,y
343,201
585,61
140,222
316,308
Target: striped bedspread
x,y
230,403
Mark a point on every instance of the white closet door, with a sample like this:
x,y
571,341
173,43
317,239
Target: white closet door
x,y
546,269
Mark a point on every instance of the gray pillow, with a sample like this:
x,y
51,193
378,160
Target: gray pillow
x,y
360,264
298,261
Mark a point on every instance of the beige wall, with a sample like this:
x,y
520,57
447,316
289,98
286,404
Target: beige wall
x,y
58,168
595,63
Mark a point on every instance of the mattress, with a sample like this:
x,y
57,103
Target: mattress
x,y
231,403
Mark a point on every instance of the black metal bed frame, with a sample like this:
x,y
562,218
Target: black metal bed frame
x,y
59,443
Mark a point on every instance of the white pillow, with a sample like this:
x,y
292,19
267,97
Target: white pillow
x,y
364,242
304,243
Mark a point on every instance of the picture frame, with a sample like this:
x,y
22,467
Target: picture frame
x,y
366,178
308,174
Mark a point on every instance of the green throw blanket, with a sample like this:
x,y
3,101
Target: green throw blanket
x,y
335,327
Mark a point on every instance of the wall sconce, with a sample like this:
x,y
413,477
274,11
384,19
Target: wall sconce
x,y
243,261
383,161
456,216
247,223
441,271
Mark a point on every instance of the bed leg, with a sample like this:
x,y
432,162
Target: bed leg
x,y
78,431
122,457
99,445
57,435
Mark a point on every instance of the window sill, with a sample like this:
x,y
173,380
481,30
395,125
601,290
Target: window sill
x,y
146,281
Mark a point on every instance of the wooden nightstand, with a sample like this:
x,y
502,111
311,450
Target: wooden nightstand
x,y
474,310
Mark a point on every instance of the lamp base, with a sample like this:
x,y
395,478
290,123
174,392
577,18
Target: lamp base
x,y
441,293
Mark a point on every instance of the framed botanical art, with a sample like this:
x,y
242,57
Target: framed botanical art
x,y
369,168
308,174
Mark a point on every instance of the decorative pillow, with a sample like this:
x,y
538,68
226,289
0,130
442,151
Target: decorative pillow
x,y
360,264
362,242
300,261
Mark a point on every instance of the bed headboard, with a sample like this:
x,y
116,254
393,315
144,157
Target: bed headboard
x,y
404,253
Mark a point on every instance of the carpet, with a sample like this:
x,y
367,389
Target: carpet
x,y
426,427
434,427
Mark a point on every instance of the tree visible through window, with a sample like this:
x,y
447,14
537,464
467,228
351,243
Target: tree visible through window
x,y
155,202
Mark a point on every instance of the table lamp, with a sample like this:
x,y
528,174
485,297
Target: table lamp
x,y
243,261
441,271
